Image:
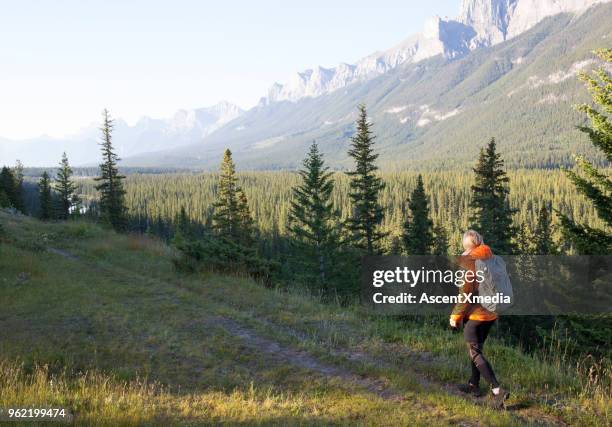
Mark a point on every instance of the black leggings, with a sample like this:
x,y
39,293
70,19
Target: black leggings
x,y
475,333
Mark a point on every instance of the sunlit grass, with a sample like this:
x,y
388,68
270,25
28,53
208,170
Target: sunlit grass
x,y
117,336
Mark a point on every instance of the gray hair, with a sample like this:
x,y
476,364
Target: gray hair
x,y
474,236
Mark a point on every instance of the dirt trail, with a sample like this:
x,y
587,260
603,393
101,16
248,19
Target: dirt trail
x,y
526,414
63,253
300,358
273,349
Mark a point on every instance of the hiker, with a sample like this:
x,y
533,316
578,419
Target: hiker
x,y
477,322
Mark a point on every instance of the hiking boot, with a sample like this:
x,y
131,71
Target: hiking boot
x,y
469,388
498,401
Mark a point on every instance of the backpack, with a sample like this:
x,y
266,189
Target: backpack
x,y
496,280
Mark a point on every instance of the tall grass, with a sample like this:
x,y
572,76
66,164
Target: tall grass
x,y
92,397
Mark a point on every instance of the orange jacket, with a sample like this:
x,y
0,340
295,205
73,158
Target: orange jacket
x,y
466,310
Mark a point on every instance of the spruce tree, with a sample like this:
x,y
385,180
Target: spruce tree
x,y
440,242
45,197
523,241
418,228
182,229
8,189
226,221
543,241
492,215
365,187
594,184
245,220
113,210
65,188
396,246
312,216
19,190
183,224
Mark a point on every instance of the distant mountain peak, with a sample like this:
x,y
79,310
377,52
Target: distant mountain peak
x,y
481,23
184,127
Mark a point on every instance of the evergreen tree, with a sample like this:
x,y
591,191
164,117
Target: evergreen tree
x,y
440,242
365,188
395,245
418,233
182,230
45,196
4,199
594,184
183,223
492,215
245,220
226,218
543,241
113,210
8,189
19,190
66,189
311,218
524,240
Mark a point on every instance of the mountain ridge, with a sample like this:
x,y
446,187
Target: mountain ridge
x,y
194,137
481,23
436,112
147,135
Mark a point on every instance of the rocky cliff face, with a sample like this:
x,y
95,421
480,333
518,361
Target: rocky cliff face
x,y
481,23
497,20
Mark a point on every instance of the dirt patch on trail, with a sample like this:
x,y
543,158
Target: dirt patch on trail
x,y
302,359
63,253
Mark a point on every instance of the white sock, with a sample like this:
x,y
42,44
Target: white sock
x,y
495,390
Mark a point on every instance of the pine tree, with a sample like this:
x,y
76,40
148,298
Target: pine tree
x,y
365,188
182,229
45,196
226,221
543,241
19,190
66,189
312,216
113,210
183,224
418,234
440,242
492,215
594,184
8,189
396,246
245,220
523,240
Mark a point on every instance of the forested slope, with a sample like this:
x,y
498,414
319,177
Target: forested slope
x,y
159,198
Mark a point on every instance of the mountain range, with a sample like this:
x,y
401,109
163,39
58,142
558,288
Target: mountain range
x,y
147,135
481,23
502,68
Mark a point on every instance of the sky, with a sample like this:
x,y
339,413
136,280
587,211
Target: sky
x,y
63,61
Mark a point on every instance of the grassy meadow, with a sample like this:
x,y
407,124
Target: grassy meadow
x,y
103,325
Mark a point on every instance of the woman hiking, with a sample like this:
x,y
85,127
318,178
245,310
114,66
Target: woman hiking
x,y
477,322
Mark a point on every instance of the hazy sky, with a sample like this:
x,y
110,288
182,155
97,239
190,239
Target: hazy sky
x,y
63,61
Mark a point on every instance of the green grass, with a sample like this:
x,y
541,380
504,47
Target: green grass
x,y
105,327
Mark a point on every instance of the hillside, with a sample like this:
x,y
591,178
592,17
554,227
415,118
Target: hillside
x,y
101,324
435,112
